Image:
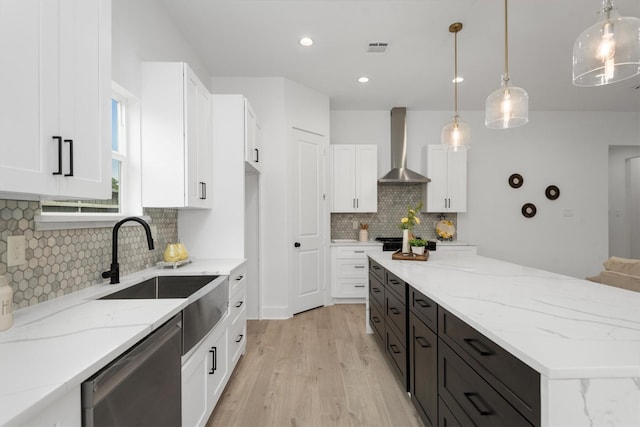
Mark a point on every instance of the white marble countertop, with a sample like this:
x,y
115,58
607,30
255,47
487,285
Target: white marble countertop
x,y
563,327
55,345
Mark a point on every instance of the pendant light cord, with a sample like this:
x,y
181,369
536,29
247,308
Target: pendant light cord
x,y
506,45
455,76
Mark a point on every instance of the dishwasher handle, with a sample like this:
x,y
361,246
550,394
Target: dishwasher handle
x,y
104,381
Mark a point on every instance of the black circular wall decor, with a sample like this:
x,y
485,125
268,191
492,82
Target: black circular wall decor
x,y
529,210
516,180
552,192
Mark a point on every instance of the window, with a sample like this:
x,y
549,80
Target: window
x,y
125,167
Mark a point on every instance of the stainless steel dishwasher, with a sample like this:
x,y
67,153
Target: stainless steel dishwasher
x,y
142,387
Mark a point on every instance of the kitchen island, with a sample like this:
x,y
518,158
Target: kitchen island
x,y
54,346
582,338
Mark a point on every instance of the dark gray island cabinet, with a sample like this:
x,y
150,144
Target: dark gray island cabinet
x,y
455,375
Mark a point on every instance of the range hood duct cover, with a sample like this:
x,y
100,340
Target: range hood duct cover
x,y
399,173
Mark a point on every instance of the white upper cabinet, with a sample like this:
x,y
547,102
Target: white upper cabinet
x,y
176,137
252,138
354,178
447,191
55,105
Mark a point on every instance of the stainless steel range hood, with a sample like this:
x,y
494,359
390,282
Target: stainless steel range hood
x,y
399,174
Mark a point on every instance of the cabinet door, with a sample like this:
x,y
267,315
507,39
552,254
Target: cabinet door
x,y
437,168
194,388
457,180
217,364
343,178
84,75
59,85
366,178
423,362
198,142
251,135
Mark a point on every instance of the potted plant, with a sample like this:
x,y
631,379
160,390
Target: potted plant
x,y
417,246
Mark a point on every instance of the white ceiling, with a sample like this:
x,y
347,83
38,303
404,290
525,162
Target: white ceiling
x,y
260,38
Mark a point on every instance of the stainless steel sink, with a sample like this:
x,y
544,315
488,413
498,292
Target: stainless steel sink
x,y
160,287
199,317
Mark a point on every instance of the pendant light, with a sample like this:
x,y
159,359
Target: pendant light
x,y
608,51
507,107
455,135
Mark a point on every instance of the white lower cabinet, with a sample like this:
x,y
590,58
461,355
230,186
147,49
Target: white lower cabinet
x,y
207,369
204,376
64,412
349,275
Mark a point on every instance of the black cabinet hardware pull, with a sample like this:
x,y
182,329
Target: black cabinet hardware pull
x,y
359,286
376,290
239,278
375,267
423,343
239,304
214,358
394,349
358,252
394,310
478,403
296,244
422,303
257,160
70,142
59,139
239,338
393,281
359,266
376,319
203,190
478,347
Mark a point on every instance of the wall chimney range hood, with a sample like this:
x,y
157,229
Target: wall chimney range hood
x,y
399,173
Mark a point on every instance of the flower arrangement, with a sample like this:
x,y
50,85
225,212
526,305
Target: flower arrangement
x,y
411,219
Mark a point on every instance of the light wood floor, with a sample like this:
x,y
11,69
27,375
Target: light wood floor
x,y
318,369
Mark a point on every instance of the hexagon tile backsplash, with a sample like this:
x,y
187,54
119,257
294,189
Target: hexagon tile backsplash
x,y
59,262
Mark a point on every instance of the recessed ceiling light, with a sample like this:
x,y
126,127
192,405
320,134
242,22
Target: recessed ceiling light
x,y
306,41
363,79
457,79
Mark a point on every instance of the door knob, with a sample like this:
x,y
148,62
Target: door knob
x,y
296,244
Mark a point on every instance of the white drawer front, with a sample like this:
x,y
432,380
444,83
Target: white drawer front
x,y
354,251
237,341
351,268
352,289
237,279
238,306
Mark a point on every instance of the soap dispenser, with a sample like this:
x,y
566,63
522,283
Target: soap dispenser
x,y
6,304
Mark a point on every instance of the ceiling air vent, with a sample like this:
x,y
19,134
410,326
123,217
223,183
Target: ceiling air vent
x,y
377,47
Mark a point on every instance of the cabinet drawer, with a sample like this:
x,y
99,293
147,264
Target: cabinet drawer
x,y
237,279
376,290
358,252
352,288
423,307
376,320
423,370
398,354
463,390
237,340
397,285
396,315
351,268
377,270
516,381
238,306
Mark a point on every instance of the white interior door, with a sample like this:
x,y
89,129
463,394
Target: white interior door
x,y
308,152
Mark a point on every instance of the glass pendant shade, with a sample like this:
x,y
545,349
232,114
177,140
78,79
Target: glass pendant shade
x,y
507,107
608,51
455,135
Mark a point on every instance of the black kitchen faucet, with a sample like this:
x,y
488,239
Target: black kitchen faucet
x,y
114,272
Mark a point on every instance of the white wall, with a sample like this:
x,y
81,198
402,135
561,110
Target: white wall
x,y
568,149
143,31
